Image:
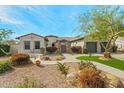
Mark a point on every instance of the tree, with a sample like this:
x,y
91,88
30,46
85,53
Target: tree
x,y
103,23
4,34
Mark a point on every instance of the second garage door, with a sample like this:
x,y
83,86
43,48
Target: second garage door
x,y
91,47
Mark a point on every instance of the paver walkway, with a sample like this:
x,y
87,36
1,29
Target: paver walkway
x,y
72,58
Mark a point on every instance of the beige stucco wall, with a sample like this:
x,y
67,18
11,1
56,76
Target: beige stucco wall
x,y
31,38
82,43
51,40
78,43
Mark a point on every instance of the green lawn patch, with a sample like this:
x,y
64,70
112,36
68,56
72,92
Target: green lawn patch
x,y
113,62
4,66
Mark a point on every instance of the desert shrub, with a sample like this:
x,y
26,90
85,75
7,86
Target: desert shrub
x,y
63,68
4,66
59,57
89,77
30,83
47,58
20,59
76,49
85,51
4,47
82,65
51,49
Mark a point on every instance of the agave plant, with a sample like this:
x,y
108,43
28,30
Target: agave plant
x,y
63,68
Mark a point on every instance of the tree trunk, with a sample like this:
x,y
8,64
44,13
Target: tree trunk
x,y
107,54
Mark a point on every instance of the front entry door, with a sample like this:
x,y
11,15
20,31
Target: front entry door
x,y
63,48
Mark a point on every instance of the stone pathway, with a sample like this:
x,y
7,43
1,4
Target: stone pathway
x,y
71,58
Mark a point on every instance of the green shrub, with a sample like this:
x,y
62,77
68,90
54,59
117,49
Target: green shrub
x,y
51,49
80,65
5,47
4,66
63,68
76,49
30,83
60,57
20,59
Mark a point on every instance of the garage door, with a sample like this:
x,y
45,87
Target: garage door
x,y
91,47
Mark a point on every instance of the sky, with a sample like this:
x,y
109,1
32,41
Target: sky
x,y
43,20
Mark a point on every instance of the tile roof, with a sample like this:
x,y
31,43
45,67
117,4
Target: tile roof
x,y
70,39
51,36
66,38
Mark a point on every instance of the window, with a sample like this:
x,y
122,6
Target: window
x,y
37,44
26,44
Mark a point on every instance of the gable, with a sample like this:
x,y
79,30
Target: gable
x,y
30,36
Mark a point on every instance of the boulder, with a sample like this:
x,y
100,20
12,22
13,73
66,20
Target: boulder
x,y
71,78
37,61
112,81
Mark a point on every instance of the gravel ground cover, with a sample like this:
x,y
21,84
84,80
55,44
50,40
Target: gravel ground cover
x,y
46,74
4,58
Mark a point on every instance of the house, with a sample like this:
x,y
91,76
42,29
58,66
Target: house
x,y
32,43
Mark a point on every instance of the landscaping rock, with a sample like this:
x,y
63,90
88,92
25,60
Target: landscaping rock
x,y
37,61
112,81
71,78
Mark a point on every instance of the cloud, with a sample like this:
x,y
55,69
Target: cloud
x,y
45,19
10,20
7,17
